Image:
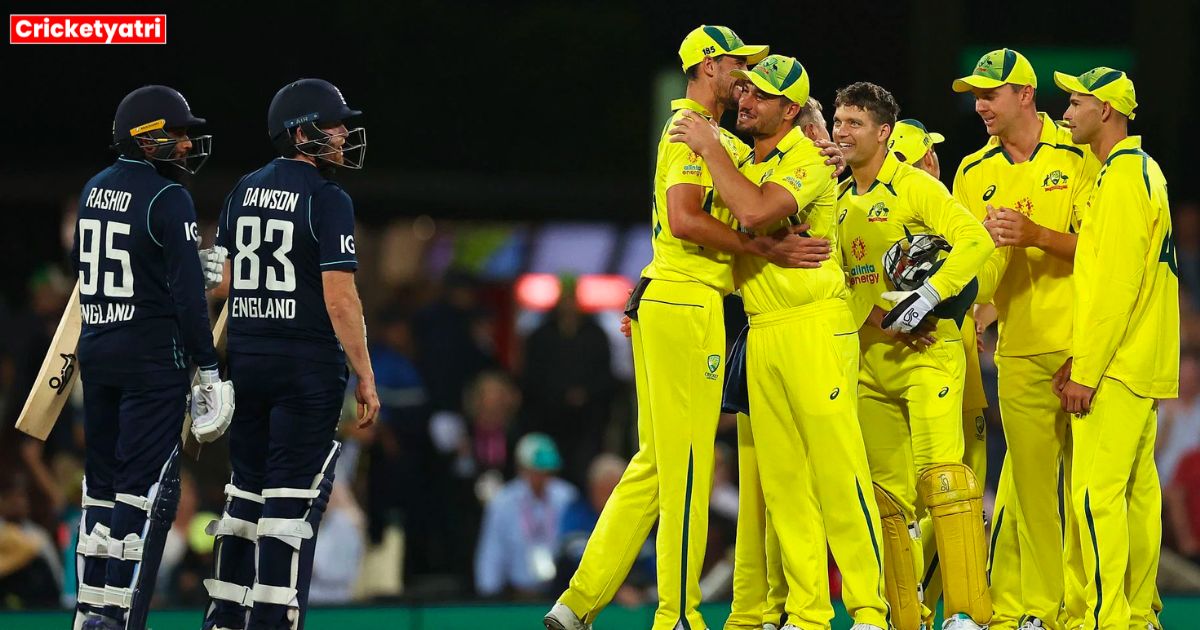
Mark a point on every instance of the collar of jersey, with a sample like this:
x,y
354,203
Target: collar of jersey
x,y
786,143
1131,144
129,161
687,103
887,172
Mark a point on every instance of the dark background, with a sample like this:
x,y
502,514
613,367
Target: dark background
x,y
527,110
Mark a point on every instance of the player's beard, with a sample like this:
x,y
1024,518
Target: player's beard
x,y
169,170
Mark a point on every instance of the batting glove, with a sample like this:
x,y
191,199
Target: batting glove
x,y
212,262
212,406
910,308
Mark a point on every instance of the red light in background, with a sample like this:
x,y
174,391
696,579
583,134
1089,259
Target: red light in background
x,y
602,292
595,292
537,291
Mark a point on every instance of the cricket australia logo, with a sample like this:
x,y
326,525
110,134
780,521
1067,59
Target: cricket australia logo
x,y
878,212
1025,207
1055,180
714,362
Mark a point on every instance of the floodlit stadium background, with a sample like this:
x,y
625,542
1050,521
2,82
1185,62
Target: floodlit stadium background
x,y
510,150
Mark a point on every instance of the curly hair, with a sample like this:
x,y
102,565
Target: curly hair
x,y
871,98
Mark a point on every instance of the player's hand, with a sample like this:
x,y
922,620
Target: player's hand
x,y
212,406
1011,228
788,248
917,340
701,135
833,152
911,308
368,401
1077,399
1060,378
212,262
626,326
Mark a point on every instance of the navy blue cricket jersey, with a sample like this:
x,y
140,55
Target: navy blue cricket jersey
x,y
141,289
285,225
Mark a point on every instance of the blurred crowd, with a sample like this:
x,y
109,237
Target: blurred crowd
x,y
495,452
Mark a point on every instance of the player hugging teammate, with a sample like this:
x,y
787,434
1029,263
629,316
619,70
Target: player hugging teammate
x,y
1061,232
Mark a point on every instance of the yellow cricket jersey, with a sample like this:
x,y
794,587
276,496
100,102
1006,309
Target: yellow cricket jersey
x,y
1127,279
1031,288
905,197
798,167
675,259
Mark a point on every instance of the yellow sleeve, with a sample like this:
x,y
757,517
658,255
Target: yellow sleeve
x,y
1105,299
806,177
997,263
680,165
943,214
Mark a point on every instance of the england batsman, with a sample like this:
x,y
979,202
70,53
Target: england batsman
x,y
1039,179
913,144
805,430
145,321
1124,354
295,319
910,382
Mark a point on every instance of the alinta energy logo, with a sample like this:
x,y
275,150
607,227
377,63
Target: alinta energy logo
x,y
87,29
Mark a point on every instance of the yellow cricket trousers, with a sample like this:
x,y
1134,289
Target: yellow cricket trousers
x,y
802,365
910,408
678,357
1037,433
1118,503
760,590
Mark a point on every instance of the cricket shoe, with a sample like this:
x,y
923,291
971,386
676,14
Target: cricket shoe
x,y
864,626
770,626
961,621
561,617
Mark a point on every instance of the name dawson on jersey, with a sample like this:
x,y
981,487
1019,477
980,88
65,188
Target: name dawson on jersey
x,y
271,199
263,308
105,199
106,313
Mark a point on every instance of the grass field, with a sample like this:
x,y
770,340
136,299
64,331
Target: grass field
x,y
1179,613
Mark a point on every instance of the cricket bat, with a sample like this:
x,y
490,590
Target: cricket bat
x,y
191,445
56,377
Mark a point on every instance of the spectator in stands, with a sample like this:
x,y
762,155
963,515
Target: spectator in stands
x,y
521,525
1179,419
29,571
1187,249
475,457
568,382
401,454
1181,507
604,473
449,354
337,560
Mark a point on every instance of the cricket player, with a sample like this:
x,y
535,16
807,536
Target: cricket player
x,y
144,322
1124,354
294,321
914,144
911,382
804,430
759,588
1029,181
678,347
